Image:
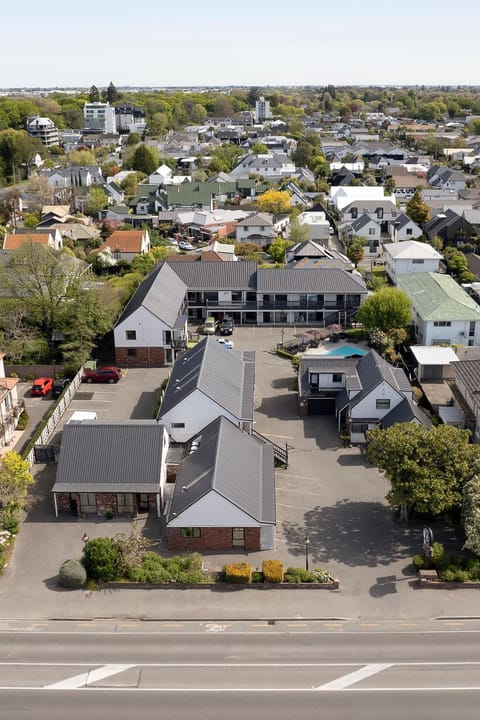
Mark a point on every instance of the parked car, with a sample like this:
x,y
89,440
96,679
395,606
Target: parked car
x,y
41,386
209,326
59,386
226,326
185,245
108,374
228,344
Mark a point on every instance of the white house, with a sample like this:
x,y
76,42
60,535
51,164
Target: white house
x,y
161,176
271,166
208,381
10,407
100,117
257,228
402,228
127,244
318,226
343,195
443,313
410,256
153,326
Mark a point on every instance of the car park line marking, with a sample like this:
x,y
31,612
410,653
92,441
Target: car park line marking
x,y
345,681
84,679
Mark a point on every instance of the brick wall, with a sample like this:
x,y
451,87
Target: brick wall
x,y
63,502
145,357
212,539
106,501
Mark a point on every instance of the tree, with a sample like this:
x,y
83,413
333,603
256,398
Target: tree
x,y
101,559
96,200
355,251
134,138
471,514
457,265
278,248
94,94
15,479
386,309
417,210
276,202
426,468
259,149
81,158
130,184
297,232
112,93
17,150
145,160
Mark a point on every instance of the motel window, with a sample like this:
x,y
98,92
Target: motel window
x,y
190,532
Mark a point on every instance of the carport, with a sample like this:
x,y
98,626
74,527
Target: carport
x,y
321,406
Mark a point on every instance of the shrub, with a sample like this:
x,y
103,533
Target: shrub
x,y
438,554
285,354
238,573
23,420
11,523
455,574
272,571
418,562
322,576
101,559
257,576
299,575
72,574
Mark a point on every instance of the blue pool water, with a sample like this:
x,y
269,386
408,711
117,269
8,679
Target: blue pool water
x,y
346,351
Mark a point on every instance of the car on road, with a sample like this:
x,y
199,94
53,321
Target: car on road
x,y
59,385
209,326
108,374
185,245
41,386
228,344
226,326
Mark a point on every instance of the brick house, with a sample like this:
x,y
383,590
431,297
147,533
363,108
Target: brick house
x,y
115,467
224,495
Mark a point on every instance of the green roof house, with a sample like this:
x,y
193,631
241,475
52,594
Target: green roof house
x,y
443,313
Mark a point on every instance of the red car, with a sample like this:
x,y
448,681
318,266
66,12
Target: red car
x,y
108,374
41,386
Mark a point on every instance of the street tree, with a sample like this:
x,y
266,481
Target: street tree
x,y
276,202
427,469
355,251
386,309
417,210
15,479
471,514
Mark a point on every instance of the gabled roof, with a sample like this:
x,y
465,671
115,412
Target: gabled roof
x,y
373,370
113,456
362,222
217,275
13,241
162,293
128,241
411,249
257,220
468,372
438,297
232,464
406,411
224,376
309,280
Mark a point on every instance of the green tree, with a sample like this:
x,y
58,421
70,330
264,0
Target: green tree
x,y
145,160
417,210
101,559
277,250
17,150
426,468
94,94
297,232
386,309
15,479
471,514
96,200
276,202
130,184
457,265
81,158
355,251
134,138
112,93
259,149
31,219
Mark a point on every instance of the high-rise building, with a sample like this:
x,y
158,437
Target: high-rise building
x,y
99,117
262,109
44,129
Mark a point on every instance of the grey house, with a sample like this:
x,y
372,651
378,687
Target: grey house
x,y
224,495
114,467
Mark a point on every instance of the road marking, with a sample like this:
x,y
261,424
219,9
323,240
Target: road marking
x,y
297,624
285,437
85,679
345,681
172,624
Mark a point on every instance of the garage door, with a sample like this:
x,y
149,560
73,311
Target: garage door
x,y
321,406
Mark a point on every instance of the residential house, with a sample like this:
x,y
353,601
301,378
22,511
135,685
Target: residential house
x,y
466,386
73,176
257,228
313,254
362,227
111,468
208,381
317,225
341,196
402,228
271,166
15,240
10,406
161,176
443,313
446,178
362,391
224,495
127,244
406,182
224,251
451,227
382,211
152,328
410,256
130,118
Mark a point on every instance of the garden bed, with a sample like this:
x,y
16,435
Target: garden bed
x,y
127,585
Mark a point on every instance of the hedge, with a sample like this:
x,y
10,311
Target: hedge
x,y
238,573
272,571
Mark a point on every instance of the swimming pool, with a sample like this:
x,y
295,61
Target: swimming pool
x,y
346,351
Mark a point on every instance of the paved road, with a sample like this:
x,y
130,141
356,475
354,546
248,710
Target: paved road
x,y
214,671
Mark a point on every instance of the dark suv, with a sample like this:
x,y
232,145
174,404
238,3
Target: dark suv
x,y
226,326
59,386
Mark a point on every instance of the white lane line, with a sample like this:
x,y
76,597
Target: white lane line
x,y
85,679
345,681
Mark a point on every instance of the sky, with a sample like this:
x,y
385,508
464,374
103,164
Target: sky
x,y
216,43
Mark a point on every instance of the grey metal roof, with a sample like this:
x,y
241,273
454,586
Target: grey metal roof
x,y
257,220
468,372
233,464
225,376
309,280
362,221
210,275
162,293
318,364
406,411
110,456
372,370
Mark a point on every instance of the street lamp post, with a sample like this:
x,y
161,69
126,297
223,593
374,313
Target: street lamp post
x,y
307,543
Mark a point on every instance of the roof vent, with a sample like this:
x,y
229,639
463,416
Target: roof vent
x,y
184,488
